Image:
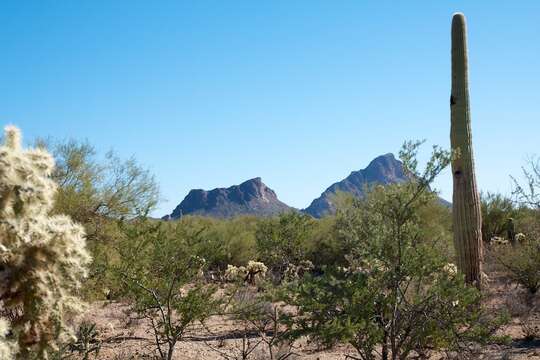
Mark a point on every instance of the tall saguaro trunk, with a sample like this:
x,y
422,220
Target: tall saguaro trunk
x,y
466,201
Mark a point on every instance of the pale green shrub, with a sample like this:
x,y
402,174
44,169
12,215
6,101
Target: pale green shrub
x,y
400,296
161,278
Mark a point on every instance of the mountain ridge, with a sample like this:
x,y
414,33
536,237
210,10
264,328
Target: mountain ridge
x,y
253,197
384,170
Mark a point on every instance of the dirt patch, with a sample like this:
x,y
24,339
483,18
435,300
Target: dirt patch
x,y
126,337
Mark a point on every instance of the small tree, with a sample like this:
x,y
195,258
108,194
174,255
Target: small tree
x,y
399,296
528,194
523,259
91,188
283,240
42,257
163,281
99,193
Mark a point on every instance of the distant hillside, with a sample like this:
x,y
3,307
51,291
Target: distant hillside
x,y
251,197
384,170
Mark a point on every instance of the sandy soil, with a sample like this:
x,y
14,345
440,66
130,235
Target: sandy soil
x,y
129,338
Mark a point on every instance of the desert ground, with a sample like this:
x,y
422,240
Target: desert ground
x,y
126,337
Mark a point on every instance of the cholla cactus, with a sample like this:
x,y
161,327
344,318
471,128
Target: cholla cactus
x,y
293,272
234,273
376,265
363,266
255,267
253,271
290,273
42,257
521,238
7,348
499,241
198,264
197,261
450,269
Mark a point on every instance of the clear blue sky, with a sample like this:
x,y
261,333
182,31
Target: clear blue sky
x,y
301,93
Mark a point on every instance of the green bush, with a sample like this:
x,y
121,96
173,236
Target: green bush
x,y
100,193
399,295
497,210
222,242
284,240
163,281
522,261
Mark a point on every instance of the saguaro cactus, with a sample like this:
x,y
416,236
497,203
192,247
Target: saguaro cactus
x,y
466,201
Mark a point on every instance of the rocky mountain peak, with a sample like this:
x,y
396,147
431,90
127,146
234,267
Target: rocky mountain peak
x,y
384,170
252,197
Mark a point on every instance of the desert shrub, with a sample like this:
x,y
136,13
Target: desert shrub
x,y
528,193
110,188
498,214
267,320
284,240
399,294
328,245
260,327
211,239
435,223
324,247
100,193
239,298
42,257
528,224
85,346
522,261
225,241
163,281
87,342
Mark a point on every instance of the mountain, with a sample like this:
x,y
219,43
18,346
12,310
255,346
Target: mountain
x,y
384,170
251,197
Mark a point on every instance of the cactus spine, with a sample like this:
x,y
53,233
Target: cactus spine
x,y
43,257
466,201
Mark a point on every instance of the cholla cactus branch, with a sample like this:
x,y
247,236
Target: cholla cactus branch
x,y
13,137
42,258
251,273
8,348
